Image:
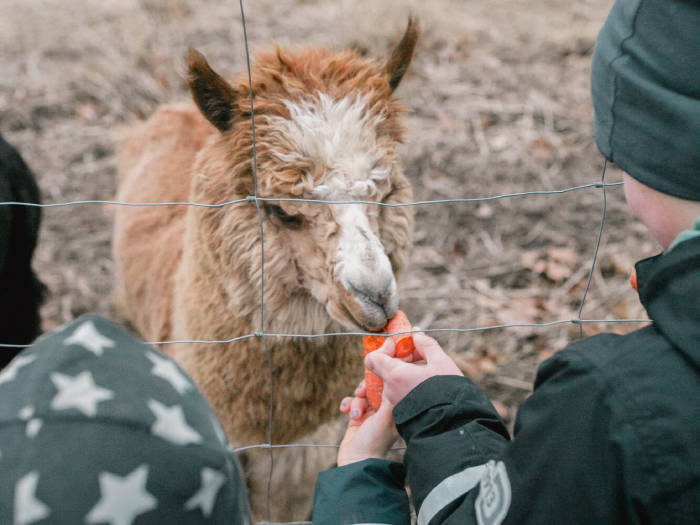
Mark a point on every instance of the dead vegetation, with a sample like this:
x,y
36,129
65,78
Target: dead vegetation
x,y
498,103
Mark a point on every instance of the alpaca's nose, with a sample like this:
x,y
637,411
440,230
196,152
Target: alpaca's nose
x,y
386,301
364,269
379,303
383,299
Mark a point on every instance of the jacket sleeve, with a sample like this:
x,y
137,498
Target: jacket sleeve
x,y
559,468
451,430
369,491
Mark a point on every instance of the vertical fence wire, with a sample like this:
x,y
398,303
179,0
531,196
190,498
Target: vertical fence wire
x,y
597,247
262,266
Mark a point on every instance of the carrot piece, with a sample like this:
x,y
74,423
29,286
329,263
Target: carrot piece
x,y
404,347
633,280
372,343
404,342
373,383
374,387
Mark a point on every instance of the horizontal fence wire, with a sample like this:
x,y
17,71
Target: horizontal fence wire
x,y
256,199
574,320
266,446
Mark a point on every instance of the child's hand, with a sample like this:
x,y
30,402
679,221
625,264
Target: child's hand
x,y
369,434
401,377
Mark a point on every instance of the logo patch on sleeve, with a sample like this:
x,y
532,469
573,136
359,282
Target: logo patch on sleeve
x,y
493,501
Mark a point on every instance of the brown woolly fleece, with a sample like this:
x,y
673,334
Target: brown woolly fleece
x,y
194,273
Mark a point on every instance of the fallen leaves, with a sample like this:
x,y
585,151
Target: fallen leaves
x,y
555,263
542,149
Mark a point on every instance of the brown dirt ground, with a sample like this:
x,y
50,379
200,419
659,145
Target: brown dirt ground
x,y
498,102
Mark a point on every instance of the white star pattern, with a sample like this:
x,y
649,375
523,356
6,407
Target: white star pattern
x,y
33,423
78,392
122,498
10,371
205,497
170,424
26,413
87,336
28,508
33,427
166,369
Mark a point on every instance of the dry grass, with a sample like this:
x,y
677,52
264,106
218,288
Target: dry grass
x,y
498,100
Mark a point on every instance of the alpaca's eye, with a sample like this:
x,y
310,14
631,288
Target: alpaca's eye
x,y
281,216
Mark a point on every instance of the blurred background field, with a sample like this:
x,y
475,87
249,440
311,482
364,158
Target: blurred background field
x,y
497,102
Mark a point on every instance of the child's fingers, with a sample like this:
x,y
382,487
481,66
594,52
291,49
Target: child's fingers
x,y
388,348
417,332
427,347
437,361
345,405
358,407
381,364
361,390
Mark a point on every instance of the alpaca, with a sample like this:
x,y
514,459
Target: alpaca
x,y
21,291
327,127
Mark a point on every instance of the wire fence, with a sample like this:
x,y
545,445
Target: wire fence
x,y
261,334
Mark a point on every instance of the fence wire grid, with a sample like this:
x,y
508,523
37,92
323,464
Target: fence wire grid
x,y
256,199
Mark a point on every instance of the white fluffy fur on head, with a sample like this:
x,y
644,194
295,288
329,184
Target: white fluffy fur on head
x,y
339,136
348,160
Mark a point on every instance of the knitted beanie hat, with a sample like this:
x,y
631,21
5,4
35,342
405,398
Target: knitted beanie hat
x,y
646,93
98,427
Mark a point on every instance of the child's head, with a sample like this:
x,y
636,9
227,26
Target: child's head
x,y
97,426
646,95
664,215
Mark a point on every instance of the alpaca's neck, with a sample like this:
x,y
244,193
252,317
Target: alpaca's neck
x,y
218,298
299,314
228,289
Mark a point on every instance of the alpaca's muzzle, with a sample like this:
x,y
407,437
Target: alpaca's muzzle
x,y
376,304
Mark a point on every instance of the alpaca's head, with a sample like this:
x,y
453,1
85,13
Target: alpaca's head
x,y
327,128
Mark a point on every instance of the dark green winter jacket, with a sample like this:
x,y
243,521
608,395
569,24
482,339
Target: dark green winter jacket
x,y
610,435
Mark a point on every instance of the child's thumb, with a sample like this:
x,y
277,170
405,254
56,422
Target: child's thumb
x,y
381,364
388,348
427,347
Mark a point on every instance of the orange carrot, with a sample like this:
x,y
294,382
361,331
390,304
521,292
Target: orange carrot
x,y
372,343
374,386
404,342
404,348
633,280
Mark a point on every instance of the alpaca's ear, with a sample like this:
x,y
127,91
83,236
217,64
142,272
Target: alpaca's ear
x,y
212,94
402,54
